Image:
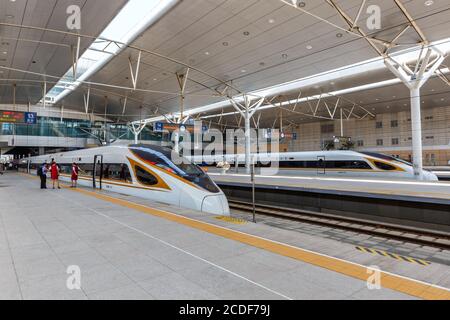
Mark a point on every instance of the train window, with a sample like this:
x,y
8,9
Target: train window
x,y
144,177
161,157
66,168
86,169
116,171
384,166
359,165
325,164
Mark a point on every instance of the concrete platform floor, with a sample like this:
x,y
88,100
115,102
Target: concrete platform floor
x,y
124,253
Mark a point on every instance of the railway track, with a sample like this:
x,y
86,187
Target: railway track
x,y
392,231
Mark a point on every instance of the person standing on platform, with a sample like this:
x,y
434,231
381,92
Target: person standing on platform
x,y
42,173
75,171
54,172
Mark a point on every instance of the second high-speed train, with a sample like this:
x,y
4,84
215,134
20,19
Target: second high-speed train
x,y
320,163
141,170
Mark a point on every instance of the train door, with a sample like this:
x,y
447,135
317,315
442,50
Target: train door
x,y
321,165
97,172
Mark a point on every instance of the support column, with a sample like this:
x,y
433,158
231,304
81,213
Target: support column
x,y
416,122
247,111
137,128
414,79
248,142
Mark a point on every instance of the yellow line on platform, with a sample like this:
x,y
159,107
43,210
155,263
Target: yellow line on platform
x,y
391,281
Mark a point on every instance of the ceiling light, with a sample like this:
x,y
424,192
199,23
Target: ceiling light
x,y
429,3
207,53
309,47
271,21
243,71
301,4
154,79
225,44
246,33
5,52
9,16
339,35
284,56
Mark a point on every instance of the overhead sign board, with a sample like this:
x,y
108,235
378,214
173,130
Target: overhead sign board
x,y
18,117
170,127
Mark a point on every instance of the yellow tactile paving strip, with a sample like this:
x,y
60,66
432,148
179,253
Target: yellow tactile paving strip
x,y
394,282
391,281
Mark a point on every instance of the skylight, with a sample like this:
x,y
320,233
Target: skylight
x,y
134,18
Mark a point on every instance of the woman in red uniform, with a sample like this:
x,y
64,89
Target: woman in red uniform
x,y
54,171
75,170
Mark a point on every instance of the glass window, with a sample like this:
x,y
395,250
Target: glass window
x,y
380,142
327,128
394,123
325,164
384,166
395,141
145,177
161,157
116,171
379,125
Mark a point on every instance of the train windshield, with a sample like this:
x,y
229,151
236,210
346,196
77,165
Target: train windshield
x,y
162,157
386,157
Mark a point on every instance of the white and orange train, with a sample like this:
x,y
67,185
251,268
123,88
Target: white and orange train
x,y
322,164
143,171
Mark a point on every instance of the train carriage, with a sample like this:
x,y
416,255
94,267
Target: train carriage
x,y
143,171
322,164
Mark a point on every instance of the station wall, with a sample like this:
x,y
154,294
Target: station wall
x,y
389,133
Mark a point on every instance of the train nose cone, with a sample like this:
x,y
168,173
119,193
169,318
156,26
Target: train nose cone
x,y
217,204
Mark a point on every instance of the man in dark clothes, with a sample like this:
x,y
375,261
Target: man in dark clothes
x,y
43,175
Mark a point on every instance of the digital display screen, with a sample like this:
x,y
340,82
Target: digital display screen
x,y
18,117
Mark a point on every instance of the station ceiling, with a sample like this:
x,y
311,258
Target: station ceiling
x,y
252,44
40,51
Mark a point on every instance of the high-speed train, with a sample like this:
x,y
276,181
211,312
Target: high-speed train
x,y
143,171
321,163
